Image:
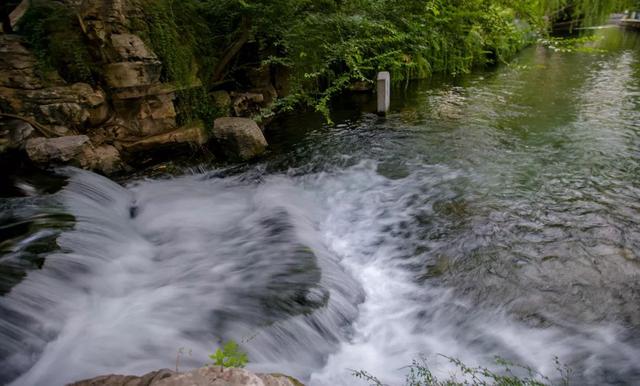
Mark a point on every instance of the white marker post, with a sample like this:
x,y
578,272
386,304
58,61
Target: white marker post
x,y
384,92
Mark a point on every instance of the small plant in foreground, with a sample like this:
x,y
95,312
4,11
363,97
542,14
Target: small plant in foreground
x,y
229,355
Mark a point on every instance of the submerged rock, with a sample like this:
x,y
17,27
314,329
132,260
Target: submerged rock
x,y
239,137
205,376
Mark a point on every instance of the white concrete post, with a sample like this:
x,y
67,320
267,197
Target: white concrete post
x,y
384,91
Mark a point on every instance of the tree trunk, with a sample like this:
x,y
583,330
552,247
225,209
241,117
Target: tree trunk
x,y
232,51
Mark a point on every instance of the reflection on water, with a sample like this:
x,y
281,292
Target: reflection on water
x,y
497,214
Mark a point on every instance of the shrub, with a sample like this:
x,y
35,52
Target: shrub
x,y
229,355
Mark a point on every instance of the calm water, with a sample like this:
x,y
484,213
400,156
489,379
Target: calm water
x,y
498,214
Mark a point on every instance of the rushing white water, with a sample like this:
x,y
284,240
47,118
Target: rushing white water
x,y
277,262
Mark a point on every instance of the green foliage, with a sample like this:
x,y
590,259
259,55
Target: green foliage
x,y
54,34
229,355
420,375
326,44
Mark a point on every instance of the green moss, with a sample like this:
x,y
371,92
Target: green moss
x,y
54,35
175,32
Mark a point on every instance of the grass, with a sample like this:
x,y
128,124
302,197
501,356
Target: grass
x,y
512,374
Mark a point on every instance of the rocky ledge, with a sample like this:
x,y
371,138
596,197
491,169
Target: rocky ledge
x,y
205,376
129,110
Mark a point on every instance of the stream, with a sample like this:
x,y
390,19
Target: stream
x,y
495,214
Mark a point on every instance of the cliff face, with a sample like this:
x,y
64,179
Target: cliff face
x,y
127,111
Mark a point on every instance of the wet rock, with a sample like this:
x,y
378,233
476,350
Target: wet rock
x,y
56,150
205,376
239,137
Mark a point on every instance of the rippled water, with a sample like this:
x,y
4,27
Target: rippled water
x,y
497,214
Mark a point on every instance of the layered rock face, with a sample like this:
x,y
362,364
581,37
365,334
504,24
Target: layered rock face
x,y
205,376
132,110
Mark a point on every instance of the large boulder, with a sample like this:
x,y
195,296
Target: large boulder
x,y
239,137
204,376
56,150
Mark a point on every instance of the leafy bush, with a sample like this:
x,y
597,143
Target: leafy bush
x,y
229,355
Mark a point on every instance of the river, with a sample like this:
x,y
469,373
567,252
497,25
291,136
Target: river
x,y
496,214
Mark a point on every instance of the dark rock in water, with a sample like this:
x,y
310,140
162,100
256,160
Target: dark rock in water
x,y
205,376
239,137
133,211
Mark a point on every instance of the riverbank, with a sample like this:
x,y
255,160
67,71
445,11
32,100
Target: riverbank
x,y
108,86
